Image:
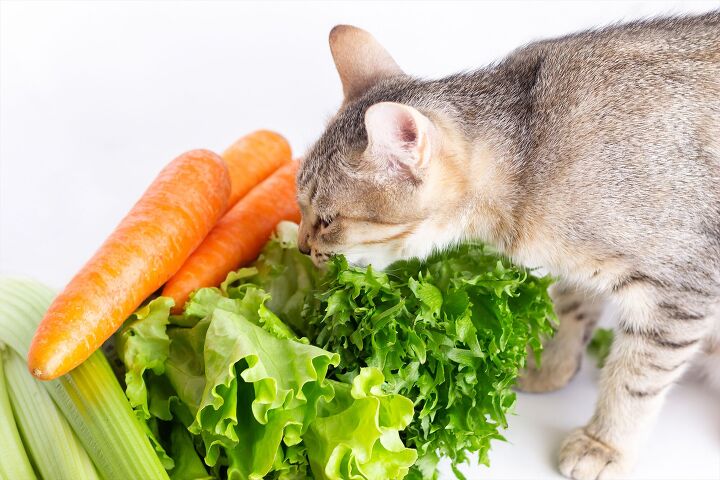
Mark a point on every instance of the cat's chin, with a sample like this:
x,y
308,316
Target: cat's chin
x,y
378,261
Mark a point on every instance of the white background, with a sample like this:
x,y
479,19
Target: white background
x,y
95,97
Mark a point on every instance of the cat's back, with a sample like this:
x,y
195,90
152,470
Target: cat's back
x,y
655,81
680,31
642,43
629,115
631,64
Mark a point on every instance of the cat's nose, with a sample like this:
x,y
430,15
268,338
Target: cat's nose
x,y
303,240
304,245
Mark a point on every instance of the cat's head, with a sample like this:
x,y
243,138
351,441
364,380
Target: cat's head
x,y
377,185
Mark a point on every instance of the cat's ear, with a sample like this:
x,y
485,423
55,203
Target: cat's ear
x,y
360,60
400,138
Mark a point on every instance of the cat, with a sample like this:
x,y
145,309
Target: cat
x,y
595,156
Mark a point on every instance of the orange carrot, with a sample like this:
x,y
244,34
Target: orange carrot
x,y
239,236
148,246
252,159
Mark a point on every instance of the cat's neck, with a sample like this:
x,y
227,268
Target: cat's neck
x,y
494,105
485,118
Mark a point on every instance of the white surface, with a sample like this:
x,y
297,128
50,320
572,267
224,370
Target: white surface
x,y
95,97
684,444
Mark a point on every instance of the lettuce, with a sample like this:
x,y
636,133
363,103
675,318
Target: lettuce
x,y
450,333
145,346
286,371
227,390
600,345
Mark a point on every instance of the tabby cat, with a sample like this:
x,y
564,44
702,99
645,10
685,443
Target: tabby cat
x,y
595,156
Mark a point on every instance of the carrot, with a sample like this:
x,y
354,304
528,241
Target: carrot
x,y
252,159
239,236
148,246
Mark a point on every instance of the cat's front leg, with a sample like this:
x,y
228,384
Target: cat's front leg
x,y
578,311
658,333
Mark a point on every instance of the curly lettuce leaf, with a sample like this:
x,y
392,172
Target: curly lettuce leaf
x,y
356,436
288,276
143,345
450,333
287,378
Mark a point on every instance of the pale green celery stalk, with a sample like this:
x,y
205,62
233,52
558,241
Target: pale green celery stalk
x,y
55,450
15,462
89,396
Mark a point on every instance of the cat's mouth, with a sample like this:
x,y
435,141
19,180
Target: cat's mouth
x,y
359,256
320,258
378,261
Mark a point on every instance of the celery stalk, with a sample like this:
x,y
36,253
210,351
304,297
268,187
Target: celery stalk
x,y
55,450
90,396
15,462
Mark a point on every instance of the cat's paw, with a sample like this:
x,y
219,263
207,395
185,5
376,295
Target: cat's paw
x,y
585,458
555,373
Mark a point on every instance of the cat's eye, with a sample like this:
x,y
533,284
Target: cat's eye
x,y
325,221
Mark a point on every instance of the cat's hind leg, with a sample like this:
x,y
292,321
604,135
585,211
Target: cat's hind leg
x,y
706,367
660,330
578,311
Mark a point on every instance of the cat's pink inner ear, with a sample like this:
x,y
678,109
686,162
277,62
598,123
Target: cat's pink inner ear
x,y
398,132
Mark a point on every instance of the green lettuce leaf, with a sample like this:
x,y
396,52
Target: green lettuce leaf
x,y
185,366
283,378
288,276
143,345
357,435
600,345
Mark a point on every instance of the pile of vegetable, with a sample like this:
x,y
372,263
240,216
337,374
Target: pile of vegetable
x,y
413,363
242,366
